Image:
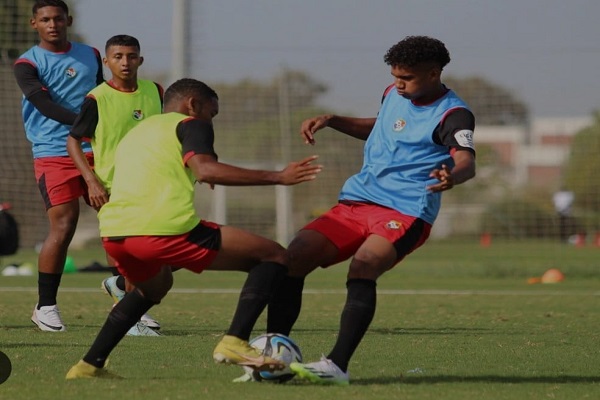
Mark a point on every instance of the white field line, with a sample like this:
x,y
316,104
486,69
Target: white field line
x,y
399,292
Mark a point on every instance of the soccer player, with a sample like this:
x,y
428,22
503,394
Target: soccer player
x,y
55,76
109,111
419,145
150,224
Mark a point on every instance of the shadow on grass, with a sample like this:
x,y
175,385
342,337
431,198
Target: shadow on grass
x,y
428,331
334,329
418,380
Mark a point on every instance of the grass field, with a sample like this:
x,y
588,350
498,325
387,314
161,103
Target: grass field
x,y
454,321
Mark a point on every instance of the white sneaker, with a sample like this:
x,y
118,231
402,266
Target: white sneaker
x,y
47,318
109,285
140,329
323,372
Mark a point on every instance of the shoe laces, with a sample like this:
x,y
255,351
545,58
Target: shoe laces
x,y
52,315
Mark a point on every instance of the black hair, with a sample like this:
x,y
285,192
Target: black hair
x,y
123,40
189,87
49,3
415,50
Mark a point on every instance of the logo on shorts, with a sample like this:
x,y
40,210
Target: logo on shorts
x,y
399,125
71,72
138,115
393,225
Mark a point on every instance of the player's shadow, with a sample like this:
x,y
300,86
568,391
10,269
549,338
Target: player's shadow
x,y
444,330
426,380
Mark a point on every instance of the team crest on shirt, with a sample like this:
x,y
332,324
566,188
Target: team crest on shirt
x,y
393,225
138,115
70,72
399,125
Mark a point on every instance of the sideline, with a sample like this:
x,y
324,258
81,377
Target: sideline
x,y
399,292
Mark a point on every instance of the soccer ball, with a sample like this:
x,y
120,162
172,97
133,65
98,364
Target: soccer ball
x,y
279,347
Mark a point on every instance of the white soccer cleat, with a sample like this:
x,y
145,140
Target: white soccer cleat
x,y
47,318
245,378
140,329
150,322
322,372
109,285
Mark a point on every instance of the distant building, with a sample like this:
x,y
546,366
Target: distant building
x,y
533,155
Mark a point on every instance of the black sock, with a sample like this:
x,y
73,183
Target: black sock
x,y
356,318
47,288
122,317
120,282
285,305
255,295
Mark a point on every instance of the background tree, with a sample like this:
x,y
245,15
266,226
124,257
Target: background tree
x,y
16,35
251,101
491,103
581,171
13,38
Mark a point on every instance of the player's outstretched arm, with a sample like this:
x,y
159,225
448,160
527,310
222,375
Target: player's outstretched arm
x,y
359,128
208,170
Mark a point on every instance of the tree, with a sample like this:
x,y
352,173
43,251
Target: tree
x,y
252,101
491,104
15,36
581,174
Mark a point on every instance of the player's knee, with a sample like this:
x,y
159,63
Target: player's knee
x,y
276,253
366,269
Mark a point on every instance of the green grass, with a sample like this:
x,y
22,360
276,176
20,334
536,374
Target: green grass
x,y
454,321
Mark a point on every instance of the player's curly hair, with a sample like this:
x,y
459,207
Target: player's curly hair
x,y
189,87
49,3
414,50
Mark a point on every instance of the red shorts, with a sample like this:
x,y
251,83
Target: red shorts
x,y
59,180
349,224
140,258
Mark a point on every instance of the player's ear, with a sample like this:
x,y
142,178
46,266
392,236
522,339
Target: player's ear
x,y
105,61
69,20
141,60
435,73
190,104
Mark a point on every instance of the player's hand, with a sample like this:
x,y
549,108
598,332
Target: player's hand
x,y
444,176
310,126
97,194
300,171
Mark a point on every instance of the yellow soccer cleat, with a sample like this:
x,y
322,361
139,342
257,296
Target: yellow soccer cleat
x,y
233,350
85,370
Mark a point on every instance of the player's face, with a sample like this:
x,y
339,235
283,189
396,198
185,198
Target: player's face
x,y
123,62
417,83
51,24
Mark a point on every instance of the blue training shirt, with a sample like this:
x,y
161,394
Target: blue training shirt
x,y
399,155
67,77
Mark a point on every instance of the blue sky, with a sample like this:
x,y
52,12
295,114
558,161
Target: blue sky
x,y
546,51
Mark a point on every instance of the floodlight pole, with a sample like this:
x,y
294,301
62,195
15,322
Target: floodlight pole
x,y
180,40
